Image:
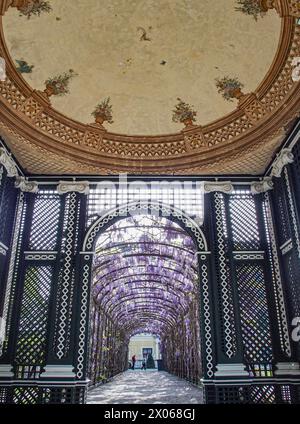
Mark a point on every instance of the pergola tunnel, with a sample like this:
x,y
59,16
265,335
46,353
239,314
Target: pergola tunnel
x,y
145,280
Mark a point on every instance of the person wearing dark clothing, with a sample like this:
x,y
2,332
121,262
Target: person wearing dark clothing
x,y
144,365
133,361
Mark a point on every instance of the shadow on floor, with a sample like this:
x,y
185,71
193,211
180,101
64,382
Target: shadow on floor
x,y
146,387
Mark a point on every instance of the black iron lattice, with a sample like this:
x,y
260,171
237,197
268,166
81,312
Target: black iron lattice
x,y
254,313
26,395
45,221
7,205
293,284
243,218
282,215
34,316
262,394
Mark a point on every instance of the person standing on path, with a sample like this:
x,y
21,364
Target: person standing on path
x,y
133,361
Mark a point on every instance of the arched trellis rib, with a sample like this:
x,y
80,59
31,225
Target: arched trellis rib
x,y
143,315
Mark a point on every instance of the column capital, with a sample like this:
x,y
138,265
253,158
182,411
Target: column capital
x,y
75,186
283,158
26,186
258,187
8,163
222,186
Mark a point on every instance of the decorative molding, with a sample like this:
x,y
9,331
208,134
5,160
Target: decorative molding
x,y
248,256
59,371
73,186
284,158
286,247
6,371
292,209
258,187
223,187
2,329
3,249
40,256
57,144
61,346
26,186
8,163
227,300
13,256
231,370
287,368
277,282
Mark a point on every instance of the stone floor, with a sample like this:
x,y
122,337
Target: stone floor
x,y
146,387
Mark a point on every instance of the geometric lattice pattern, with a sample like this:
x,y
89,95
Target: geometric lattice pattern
x,y
254,314
281,211
26,395
45,221
227,320
34,316
51,394
187,196
66,278
244,222
294,286
262,394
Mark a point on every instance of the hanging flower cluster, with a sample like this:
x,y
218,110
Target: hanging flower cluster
x,y
145,273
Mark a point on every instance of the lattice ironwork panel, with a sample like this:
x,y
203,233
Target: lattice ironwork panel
x,y
280,203
185,195
286,394
243,219
66,277
44,229
2,180
296,163
26,395
293,275
228,328
262,394
254,313
34,316
15,255
7,203
272,252
3,394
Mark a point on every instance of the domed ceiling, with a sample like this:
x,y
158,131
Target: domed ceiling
x,y
190,87
188,44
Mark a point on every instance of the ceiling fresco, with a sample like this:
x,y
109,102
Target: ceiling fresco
x,y
186,46
147,87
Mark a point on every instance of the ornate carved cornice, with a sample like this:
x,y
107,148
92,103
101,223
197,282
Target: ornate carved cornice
x,y
224,187
26,186
258,187
284,158
259,115
69,186
8,163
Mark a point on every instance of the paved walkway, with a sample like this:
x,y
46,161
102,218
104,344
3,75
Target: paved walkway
x,y
143,387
